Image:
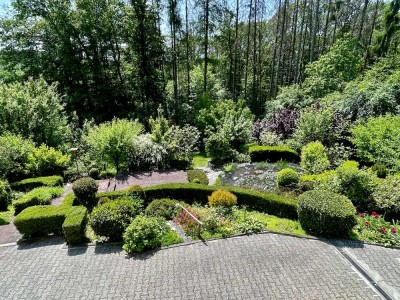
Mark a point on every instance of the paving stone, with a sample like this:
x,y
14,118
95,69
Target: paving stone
x,y
249,267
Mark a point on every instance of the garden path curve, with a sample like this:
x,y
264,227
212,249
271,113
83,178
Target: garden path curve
x,y
264,266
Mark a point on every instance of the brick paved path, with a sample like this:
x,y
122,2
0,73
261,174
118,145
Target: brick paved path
x,y
264,266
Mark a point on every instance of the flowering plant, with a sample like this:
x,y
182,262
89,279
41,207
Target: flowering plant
x,y
373,228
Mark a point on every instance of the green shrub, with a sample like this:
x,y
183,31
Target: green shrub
x,y
324,213
103,200
5,195
85,191
287,177
314,159
272,154
44,220
38,196
94,173
31,183
14,151
327,180
249,226
386,196
111,219
380,170
356,184
107,174
165,208
144,233
46,161
222,198
72,175
378,141
200,175
170,238
136,191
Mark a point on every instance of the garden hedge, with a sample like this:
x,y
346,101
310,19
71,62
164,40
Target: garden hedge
x,y
191,192
44,220
273,154
38,196
31,183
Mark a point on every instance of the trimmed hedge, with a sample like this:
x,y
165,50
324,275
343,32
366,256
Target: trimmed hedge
x,y
44,220
273,154
197,176
287,178
190,193
326,214
38,196
31,183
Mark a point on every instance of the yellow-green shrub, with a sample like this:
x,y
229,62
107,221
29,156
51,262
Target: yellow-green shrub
x,y
222,198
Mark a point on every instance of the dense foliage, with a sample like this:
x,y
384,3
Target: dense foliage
x,y
85,190
287,177
327,214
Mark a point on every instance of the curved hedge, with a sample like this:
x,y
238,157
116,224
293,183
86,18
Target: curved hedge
x,y
273,154
191,192
31,183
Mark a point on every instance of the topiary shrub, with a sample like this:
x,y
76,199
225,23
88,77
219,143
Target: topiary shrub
x,y
85,191
144,233
72,175
287,178
314,159
107,174
324,213
165,208
272,154
222,198
327,180
380,170
136,191
197,176
5,195
110,219
94,173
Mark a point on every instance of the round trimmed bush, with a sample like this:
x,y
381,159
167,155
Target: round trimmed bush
x,y
85,190
136,191
110,219
324,213
287,177
144,233
94,173
5,195
222,198
165,208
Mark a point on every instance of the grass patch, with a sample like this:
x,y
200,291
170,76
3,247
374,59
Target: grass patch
x,y
5,216
200,160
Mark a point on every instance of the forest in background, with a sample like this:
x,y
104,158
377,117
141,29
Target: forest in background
x,y
126,59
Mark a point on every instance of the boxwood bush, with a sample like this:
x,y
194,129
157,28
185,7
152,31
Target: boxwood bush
x,y
165,208
38,196
31,183
273,154
190,193
287,178
197,176
328,214
111,218
85,191
43,220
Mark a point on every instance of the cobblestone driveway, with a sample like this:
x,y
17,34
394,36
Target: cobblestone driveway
x,y
251,267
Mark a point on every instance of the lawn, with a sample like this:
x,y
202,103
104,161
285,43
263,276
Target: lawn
x,y
200,160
